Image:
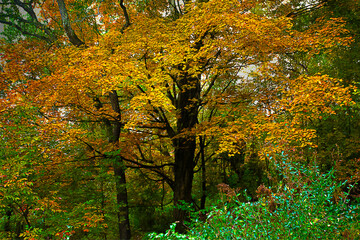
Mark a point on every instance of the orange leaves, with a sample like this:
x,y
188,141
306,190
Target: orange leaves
x,y
314,96
166,74
322,36
285,107
50,204
212,42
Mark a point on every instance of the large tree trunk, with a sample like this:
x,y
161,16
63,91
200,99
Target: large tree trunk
x,y
184,165
119,173
185,145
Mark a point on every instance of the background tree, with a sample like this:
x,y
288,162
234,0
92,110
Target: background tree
x,y
337,134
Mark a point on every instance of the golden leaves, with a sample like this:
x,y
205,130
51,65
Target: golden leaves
x,y
313,96
212,43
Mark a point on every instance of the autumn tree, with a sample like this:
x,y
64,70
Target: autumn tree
x,y
337,134
162,81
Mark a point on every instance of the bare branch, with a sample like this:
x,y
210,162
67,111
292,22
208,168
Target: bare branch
x,y
67,26
126,15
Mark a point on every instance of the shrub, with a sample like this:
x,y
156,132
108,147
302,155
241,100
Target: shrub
x,y
305,205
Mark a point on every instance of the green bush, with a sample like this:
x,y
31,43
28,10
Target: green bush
x,y
305,205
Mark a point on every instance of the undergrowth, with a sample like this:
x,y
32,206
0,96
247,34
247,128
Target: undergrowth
x,y
306,204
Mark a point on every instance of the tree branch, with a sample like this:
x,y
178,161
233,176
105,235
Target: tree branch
x,y
67,26
24,31
126,15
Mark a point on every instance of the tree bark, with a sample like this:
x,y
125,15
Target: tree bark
x,y
203,173
67,26
122,200
119,173
185,145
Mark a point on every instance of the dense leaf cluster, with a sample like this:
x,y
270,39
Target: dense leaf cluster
x,y
116,118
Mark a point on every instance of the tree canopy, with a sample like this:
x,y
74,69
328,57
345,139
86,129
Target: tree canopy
x,y
109,106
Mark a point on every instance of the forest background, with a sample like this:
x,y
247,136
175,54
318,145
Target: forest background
x,y
119,118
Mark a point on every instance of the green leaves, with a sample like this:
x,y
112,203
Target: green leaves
x,y
189,83
304,208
